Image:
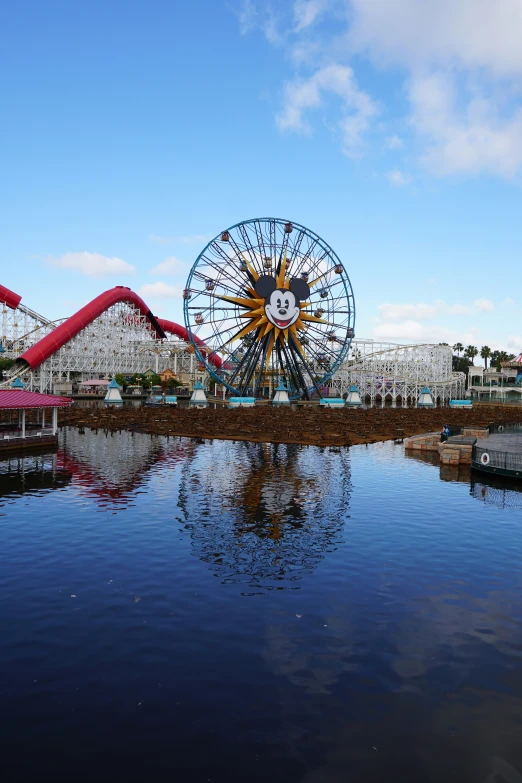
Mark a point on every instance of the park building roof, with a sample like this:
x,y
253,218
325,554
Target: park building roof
x,y
18,399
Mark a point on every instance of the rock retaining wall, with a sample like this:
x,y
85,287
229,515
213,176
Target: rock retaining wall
x,y
428,442
475,432
454,454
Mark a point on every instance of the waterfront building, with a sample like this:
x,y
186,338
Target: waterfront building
x,y
16,431
504,385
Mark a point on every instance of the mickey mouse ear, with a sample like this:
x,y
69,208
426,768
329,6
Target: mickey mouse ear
x,y
265,285
299,288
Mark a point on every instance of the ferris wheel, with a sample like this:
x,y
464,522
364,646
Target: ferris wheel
x,y
268,299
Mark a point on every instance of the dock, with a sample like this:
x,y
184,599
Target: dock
x,y
500,453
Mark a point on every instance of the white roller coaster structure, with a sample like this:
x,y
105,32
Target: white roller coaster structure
x,y
387,372
123,337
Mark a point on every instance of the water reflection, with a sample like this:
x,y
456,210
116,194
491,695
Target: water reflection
x,y
111,467
383,641
262,515
32,473
459,473
268,515
495,491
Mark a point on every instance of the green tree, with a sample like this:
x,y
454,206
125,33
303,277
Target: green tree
x,y
5,364
471,351
494,360
121,380
485,353
458,348
151,380
460,363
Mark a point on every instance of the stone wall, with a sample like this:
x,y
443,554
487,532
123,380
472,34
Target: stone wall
x,y
428,442
454,453
475,432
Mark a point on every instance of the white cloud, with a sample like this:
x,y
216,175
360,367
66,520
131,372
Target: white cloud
x,y
461,61
250,17
159,240
247,16
92,264
303,95
514,343
459,309
483,305
471,139
419,33
508,302
160,290
306,12
413,331
396,312
430,323
170,266
397,177
420,311
190,239
466,131
394,143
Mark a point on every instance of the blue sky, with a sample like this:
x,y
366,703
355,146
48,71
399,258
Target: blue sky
x,y
132,132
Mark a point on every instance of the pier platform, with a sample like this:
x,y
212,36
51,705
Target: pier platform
x,y
500,454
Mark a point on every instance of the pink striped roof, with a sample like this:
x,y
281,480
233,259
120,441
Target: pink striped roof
x,y
16,399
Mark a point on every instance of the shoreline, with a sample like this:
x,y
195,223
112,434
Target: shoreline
x,y
301,426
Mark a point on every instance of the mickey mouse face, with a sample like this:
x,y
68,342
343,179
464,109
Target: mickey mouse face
x,y
282,308
282,305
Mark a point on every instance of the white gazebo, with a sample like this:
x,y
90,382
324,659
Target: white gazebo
x,y
354,397
425,399
113,395
281,395
199,398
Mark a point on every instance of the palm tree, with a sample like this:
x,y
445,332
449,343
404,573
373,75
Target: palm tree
x,y
458,348
471,352
485,353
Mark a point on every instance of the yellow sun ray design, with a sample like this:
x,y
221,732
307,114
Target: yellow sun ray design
x,y
269,349
254,307
281,277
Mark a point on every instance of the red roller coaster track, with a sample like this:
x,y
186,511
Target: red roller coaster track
x,y
56,339
9,298
180,331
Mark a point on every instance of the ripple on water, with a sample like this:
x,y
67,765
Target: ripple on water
x,y
254,611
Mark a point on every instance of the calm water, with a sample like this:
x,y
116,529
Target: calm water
x,y
175,610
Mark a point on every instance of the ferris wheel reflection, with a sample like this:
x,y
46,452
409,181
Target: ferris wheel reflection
x,y
263,516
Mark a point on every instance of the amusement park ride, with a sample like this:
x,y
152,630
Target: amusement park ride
x,y
266,299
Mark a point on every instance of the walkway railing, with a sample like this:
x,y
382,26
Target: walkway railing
x,y
505,429
17,434
502,460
